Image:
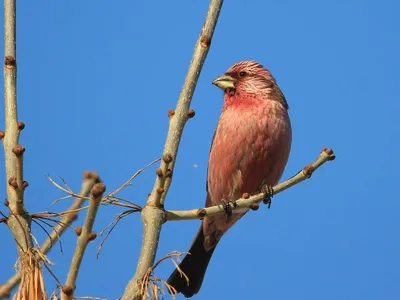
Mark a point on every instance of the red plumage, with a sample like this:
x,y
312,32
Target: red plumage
x,y
250,149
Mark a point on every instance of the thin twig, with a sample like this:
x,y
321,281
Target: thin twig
x,y
252,202
89,179
153,214
110,227
85,236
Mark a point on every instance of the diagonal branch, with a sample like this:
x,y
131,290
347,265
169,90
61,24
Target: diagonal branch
x,y
252,202
152,214
89,179
85,235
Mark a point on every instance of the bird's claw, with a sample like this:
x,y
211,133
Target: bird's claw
x,y
228,208
268,194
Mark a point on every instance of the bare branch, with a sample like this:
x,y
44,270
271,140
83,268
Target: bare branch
x,y
252,202
153,215
19,221
85,236
89,179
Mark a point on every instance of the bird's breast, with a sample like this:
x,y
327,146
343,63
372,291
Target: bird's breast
x,y
250,148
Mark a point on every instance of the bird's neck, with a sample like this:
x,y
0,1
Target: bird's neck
x,y
244,100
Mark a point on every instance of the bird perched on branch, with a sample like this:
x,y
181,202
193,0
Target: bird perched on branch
x,y
250,148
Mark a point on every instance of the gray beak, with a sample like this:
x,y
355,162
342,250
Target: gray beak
x,y
224,82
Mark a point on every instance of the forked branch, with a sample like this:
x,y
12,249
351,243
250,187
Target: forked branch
x,y
153,214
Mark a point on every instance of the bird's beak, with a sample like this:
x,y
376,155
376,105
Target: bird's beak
x,y
224,82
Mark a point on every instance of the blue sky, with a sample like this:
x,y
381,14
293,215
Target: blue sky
x,y
96,80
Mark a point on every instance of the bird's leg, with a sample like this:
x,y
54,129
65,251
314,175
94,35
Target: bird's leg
x,y
228,208
268,194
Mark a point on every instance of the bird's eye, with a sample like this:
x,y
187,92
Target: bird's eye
x,y
242,74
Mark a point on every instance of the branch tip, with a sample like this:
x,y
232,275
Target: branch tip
x,y
330,153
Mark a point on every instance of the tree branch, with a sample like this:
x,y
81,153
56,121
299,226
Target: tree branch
x,y
252,202
85,235
18,221
89,179
153,214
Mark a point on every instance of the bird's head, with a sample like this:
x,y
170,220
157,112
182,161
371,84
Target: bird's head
x,y
249,78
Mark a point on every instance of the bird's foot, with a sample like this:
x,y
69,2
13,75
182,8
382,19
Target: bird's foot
x,y
268,194
228,208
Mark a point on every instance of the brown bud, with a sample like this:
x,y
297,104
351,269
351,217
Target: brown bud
x,y
87,174
6,203
171,113
78,231
308,170
21,125
159,172
98,189
9,62
191,113
205,41
67,290
167,158
160,190
13,182
18,150
246,196
25,184
201,213
254,206
327,151
19,201
168,173
2,134
92,236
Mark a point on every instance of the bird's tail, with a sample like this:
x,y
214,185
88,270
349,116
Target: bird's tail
x,y
194,265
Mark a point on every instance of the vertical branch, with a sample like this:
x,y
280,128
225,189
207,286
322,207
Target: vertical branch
x,y
153,215
19,221
182,113
85,235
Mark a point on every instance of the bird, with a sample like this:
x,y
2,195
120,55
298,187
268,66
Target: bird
x,y
249,152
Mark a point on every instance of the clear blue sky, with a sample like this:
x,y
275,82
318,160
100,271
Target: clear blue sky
x,y
96,79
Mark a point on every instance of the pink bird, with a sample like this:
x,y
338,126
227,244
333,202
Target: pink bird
x,y
249,152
